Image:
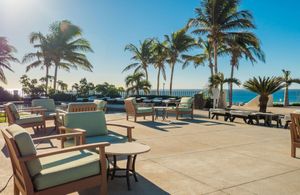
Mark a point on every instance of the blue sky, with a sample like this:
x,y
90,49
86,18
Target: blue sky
x,y
111,24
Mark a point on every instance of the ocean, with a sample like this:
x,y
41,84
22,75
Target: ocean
x,y
239,95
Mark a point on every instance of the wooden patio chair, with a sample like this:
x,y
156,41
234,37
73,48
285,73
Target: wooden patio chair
x,y
138,109
295,133
35,119
185,106
74,107
94,128
56,172
49,106
101,105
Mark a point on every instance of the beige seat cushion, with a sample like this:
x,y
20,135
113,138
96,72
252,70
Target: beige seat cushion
x,y
33,118
67,167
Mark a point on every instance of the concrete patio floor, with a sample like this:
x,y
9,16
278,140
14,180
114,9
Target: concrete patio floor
x,y
202,156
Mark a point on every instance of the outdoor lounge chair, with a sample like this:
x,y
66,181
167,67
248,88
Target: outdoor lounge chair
x,y
138,109
246,115
93,127
295,133
49,106
56,172
101,105
185,106
216,112
30,120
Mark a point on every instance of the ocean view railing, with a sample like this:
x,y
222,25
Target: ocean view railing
x,y
175,92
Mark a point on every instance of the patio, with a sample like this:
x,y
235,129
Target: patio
x,y
202,156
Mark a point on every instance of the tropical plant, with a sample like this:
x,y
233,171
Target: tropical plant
x,y
243,45
85,87
177,43
68,47
63,86
141,56
287,81
6,57
202,58
75,87
219,80
264,86
108,90
159,57
220,20
31,86
42,58
136,82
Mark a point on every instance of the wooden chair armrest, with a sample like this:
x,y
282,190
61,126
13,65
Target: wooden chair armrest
x,y
100,145
63,131
129,130
31,109
57,136
60,111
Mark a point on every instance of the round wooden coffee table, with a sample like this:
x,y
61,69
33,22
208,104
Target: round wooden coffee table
x,y
129,149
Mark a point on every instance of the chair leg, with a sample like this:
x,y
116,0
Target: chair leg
x,y
152,118
293,151
134,118
177,116
127,117
192,115
144,117
103,187
16,189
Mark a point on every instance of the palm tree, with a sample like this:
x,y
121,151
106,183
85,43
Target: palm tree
x,y
219,80
141,56
177,43
219,20
68,47
136,82
6,57
202,58
264,86
159,57
42,58
63,86
243,45
287,81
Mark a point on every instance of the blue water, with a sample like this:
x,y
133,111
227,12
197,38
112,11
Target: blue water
x,y
239,95
243,96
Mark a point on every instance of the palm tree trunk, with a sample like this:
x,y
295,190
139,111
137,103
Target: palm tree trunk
x,y
230,86
146,74
158,80
216,56
171,79
263,103
47,75
55,77
286,96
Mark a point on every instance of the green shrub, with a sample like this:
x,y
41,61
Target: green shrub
x,y
60,96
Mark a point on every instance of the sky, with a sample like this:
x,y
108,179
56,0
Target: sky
x,y
110,25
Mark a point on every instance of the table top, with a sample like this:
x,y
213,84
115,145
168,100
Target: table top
x,y
128,148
